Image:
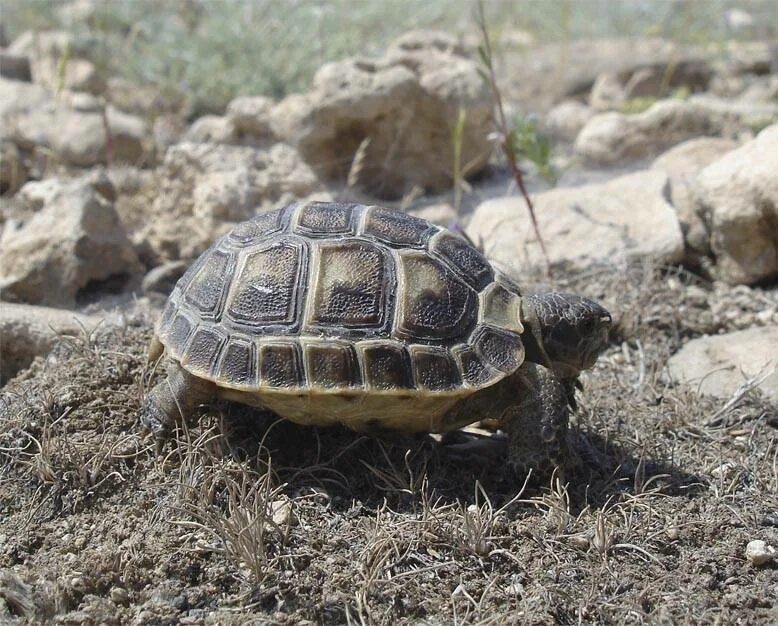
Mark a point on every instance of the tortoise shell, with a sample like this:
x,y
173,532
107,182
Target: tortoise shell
x,y
344,299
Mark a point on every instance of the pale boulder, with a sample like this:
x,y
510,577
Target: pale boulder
x,y
682,163
73,239
737,196
718,365
28,331
610,138
385,125
628,217
566,119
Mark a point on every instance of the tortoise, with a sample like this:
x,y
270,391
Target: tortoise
x,y
329,313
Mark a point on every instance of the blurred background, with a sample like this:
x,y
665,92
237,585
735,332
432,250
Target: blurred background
x,y
221,49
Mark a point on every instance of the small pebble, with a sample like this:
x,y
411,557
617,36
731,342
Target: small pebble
x,y
119,595
759,552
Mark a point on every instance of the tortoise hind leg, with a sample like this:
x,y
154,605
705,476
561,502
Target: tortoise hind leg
x,y
537,425
173,399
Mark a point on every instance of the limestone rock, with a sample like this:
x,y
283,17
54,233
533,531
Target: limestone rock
x,y
545,75
80,138
682,163
386,125
59,59
250,115
594,224
210,129
566,120
28,331
737,196
609,138
718,365
73,239
203,189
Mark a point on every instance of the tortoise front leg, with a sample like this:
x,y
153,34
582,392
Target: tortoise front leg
x,y
537,425
173,399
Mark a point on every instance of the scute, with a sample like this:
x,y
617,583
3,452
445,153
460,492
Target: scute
x,y
432,302
471,264
397,229
265,290
203,350
386,365
503,351
434,368
206,290
351,281
238,364
257,228
324,219
280,365
331,365
475,372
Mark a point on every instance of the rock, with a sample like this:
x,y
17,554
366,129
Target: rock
x,y
737,196
164,277
595,224
609,138
203,189
74,239
545,75
17,97
682,164
612,90
13,171
59,60
28,331
147,101
738,114
250,115
566,120
211,129
15,67
760,553
386,125
718,365
80,138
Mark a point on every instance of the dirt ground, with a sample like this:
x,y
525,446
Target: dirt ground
x,y
243,519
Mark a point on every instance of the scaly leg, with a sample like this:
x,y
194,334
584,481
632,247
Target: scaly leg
x,y
173,400
537,425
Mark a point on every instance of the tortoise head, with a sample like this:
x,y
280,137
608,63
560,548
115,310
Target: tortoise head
x,y
572,330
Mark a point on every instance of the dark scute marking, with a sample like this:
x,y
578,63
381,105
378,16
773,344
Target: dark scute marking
x,y
397,228
324,218
332,366
435,370
474,370
435,303
472,265
280,366
264,292
387,367
237,365
503,351
203,350
258,227
206,289
351,285
180,329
